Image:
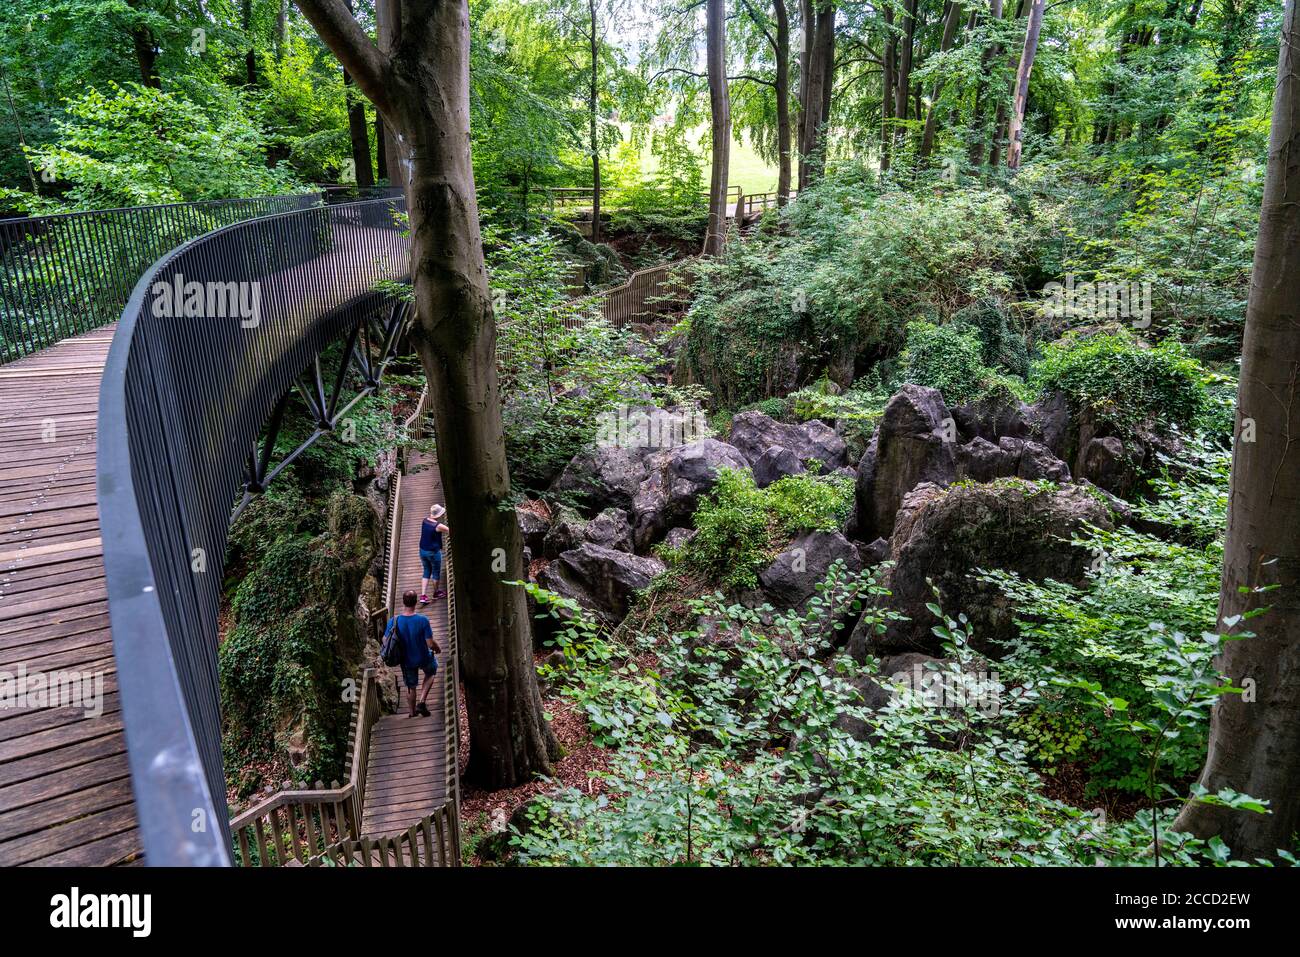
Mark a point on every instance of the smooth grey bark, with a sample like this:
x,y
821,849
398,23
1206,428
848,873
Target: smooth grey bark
x,y
1254,744
593,104
422,89
1015,127
720,123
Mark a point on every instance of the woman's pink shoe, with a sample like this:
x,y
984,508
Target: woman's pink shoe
x,y
424,599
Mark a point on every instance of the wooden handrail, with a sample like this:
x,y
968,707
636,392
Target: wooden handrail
x,y
299,823
432,841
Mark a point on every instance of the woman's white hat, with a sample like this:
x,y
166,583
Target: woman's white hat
x,y
437,511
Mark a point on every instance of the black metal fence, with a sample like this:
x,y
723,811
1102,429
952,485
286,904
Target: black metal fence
x,y
69,273
185,394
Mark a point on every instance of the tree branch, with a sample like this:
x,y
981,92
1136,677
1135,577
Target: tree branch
x,y
349,43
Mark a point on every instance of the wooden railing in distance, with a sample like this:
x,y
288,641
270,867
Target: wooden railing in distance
x,y
296,825
432,841
634,301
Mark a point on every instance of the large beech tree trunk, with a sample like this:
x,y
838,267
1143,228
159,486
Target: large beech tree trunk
x,y
720,110
422,89
1255,744
1015,129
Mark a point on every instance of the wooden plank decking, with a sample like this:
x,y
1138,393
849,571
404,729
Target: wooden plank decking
x,y
65,789
407,776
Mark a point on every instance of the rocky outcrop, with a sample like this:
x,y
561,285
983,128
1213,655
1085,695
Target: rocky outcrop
x,y
677,480
794,575
603,476
914,443
533,525
758,436
601,580
610,529
945,535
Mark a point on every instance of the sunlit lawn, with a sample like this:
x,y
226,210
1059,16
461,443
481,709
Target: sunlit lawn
x,y
746,169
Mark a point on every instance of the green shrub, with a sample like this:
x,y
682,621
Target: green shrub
x,y
947,358
1122,382
849,269
740,527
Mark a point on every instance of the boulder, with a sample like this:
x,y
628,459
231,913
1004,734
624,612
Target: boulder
x,y
1106,463
602,580
565,533
875,553
982,461
678,477
1049,422
533,526
610,529
603,476
992,416
677,537
794,575
774,464
943,535
1037,461
755,434
911,445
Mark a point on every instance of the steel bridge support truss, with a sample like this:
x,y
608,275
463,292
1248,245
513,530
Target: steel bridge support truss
x,y
323,403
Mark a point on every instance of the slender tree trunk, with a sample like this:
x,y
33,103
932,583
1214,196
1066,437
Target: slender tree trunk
x,y
250,54
381,152
815,91
903,85
1015,131
422,88
1255,742
887,92
1000,120
783,144
593,104
281,29
358,130
388,33
720,111
146,51
359,133
950,24
991,53
806,29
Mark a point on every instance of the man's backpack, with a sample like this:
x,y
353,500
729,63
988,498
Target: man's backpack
x,y
393,650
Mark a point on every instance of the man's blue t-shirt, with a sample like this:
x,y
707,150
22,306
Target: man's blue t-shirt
x,y
415,632
430,537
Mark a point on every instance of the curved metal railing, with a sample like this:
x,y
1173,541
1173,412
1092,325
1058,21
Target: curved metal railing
x,y
213,337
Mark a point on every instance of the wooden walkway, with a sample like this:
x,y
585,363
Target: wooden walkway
x,y
65,788
407,775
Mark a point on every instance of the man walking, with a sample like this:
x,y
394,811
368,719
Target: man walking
x,y
431,532
419,647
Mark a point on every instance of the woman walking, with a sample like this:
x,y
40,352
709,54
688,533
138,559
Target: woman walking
x,y
431,532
